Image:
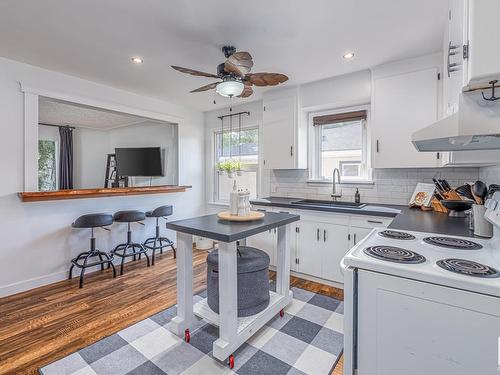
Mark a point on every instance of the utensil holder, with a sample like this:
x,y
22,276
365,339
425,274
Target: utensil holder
x,y
482,227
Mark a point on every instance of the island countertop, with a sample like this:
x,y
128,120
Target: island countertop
x,y
210,226
35,196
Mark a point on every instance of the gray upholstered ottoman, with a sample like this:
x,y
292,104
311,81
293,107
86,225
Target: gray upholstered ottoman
x,y
253,280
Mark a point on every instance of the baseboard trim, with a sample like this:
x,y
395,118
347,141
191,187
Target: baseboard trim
x,y
36,282
318,280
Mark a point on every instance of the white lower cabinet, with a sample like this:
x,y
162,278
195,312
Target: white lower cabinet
x,y
318,241
324,239
265,241
336,245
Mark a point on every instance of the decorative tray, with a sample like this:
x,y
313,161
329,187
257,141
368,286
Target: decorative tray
x,y
254,215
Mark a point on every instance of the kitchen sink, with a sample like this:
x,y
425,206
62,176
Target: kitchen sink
x,y
332,204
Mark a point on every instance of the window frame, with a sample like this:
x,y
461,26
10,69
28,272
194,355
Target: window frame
x,y
315,148
215,171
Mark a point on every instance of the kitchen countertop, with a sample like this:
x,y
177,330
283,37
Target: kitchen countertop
x,y
385,210
210,226
405,218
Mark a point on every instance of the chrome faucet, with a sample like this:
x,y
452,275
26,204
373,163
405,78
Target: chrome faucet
x,y
336,195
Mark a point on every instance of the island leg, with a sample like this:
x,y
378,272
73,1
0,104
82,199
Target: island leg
x,y
283,261
228,301
185,316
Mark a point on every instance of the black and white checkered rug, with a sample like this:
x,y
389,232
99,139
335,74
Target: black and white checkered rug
x,y
307,340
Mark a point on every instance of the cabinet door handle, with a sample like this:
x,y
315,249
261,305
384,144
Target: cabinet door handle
x,y
374,222
354,238
291,150
377,145
317,234
348,236
324,235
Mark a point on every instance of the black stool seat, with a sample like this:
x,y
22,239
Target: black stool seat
x,y
129,248
83,260
129,216
161,211
93,221
158,242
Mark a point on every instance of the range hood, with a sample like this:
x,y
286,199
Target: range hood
x,y
474,126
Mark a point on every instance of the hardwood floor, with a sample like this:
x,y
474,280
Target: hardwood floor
x,y
42,325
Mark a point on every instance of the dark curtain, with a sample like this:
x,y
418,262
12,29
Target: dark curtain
x,y
65,158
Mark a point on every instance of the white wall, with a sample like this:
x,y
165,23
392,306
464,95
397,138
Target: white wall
x,y
90,149
37,239
150,134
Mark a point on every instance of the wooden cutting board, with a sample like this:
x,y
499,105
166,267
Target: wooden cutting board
x,y
254,215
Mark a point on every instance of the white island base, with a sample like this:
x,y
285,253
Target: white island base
x,y
233,331
247,326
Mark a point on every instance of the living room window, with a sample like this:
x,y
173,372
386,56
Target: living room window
x,y
340,141
243,151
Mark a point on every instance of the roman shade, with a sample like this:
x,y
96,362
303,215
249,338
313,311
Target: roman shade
x,y
339,117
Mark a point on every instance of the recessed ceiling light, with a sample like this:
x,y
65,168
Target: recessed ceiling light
x,y
137,60
348,55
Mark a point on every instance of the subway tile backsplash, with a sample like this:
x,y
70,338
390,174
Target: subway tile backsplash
x,y
391,186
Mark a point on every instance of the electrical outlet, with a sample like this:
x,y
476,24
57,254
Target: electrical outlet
x,y
274,188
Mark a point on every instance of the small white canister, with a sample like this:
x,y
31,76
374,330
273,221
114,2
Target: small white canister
x,y
482,227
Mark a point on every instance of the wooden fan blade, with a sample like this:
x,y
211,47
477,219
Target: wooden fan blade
x,y
239,63
194,72
206,87
266,79
247,91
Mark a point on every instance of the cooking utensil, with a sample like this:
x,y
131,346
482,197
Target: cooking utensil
x,y
465,191
479,191
445,184
457,207
438,185
491,190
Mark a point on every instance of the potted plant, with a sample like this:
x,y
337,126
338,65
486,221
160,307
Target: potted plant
x,y
230,167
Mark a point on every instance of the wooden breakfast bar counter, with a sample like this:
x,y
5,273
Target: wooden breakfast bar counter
x,y
35,196
233,331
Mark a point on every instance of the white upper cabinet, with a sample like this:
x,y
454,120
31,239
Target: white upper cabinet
x,y
405,98
280,131
455,65
484,51
472,56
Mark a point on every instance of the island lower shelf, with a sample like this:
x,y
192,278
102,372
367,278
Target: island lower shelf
x,y
35,196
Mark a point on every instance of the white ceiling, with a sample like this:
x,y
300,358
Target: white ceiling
x,y
56,112
304,39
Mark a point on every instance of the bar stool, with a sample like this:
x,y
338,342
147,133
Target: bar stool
x,y
92,221
129,217
157,242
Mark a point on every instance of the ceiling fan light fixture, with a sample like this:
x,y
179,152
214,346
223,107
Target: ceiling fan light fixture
x,y
230,88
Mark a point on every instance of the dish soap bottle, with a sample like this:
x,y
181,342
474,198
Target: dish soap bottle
x,y
233,200
357,196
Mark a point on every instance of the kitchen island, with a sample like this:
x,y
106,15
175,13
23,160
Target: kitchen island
x,y
233,331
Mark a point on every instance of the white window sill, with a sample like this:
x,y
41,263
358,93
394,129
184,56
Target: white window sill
x,y
218,204
342,182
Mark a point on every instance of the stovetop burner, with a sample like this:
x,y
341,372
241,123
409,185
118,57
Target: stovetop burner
x,y
396,235
394,254
467,267
453,243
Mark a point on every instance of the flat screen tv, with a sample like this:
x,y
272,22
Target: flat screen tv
x,y
139,161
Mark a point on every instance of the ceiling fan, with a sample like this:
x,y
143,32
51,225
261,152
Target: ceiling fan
x,y
235,76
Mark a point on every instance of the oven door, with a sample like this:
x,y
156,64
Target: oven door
x,y
414,328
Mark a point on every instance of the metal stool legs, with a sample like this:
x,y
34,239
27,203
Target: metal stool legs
x,y
130,245
104,258
157,243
